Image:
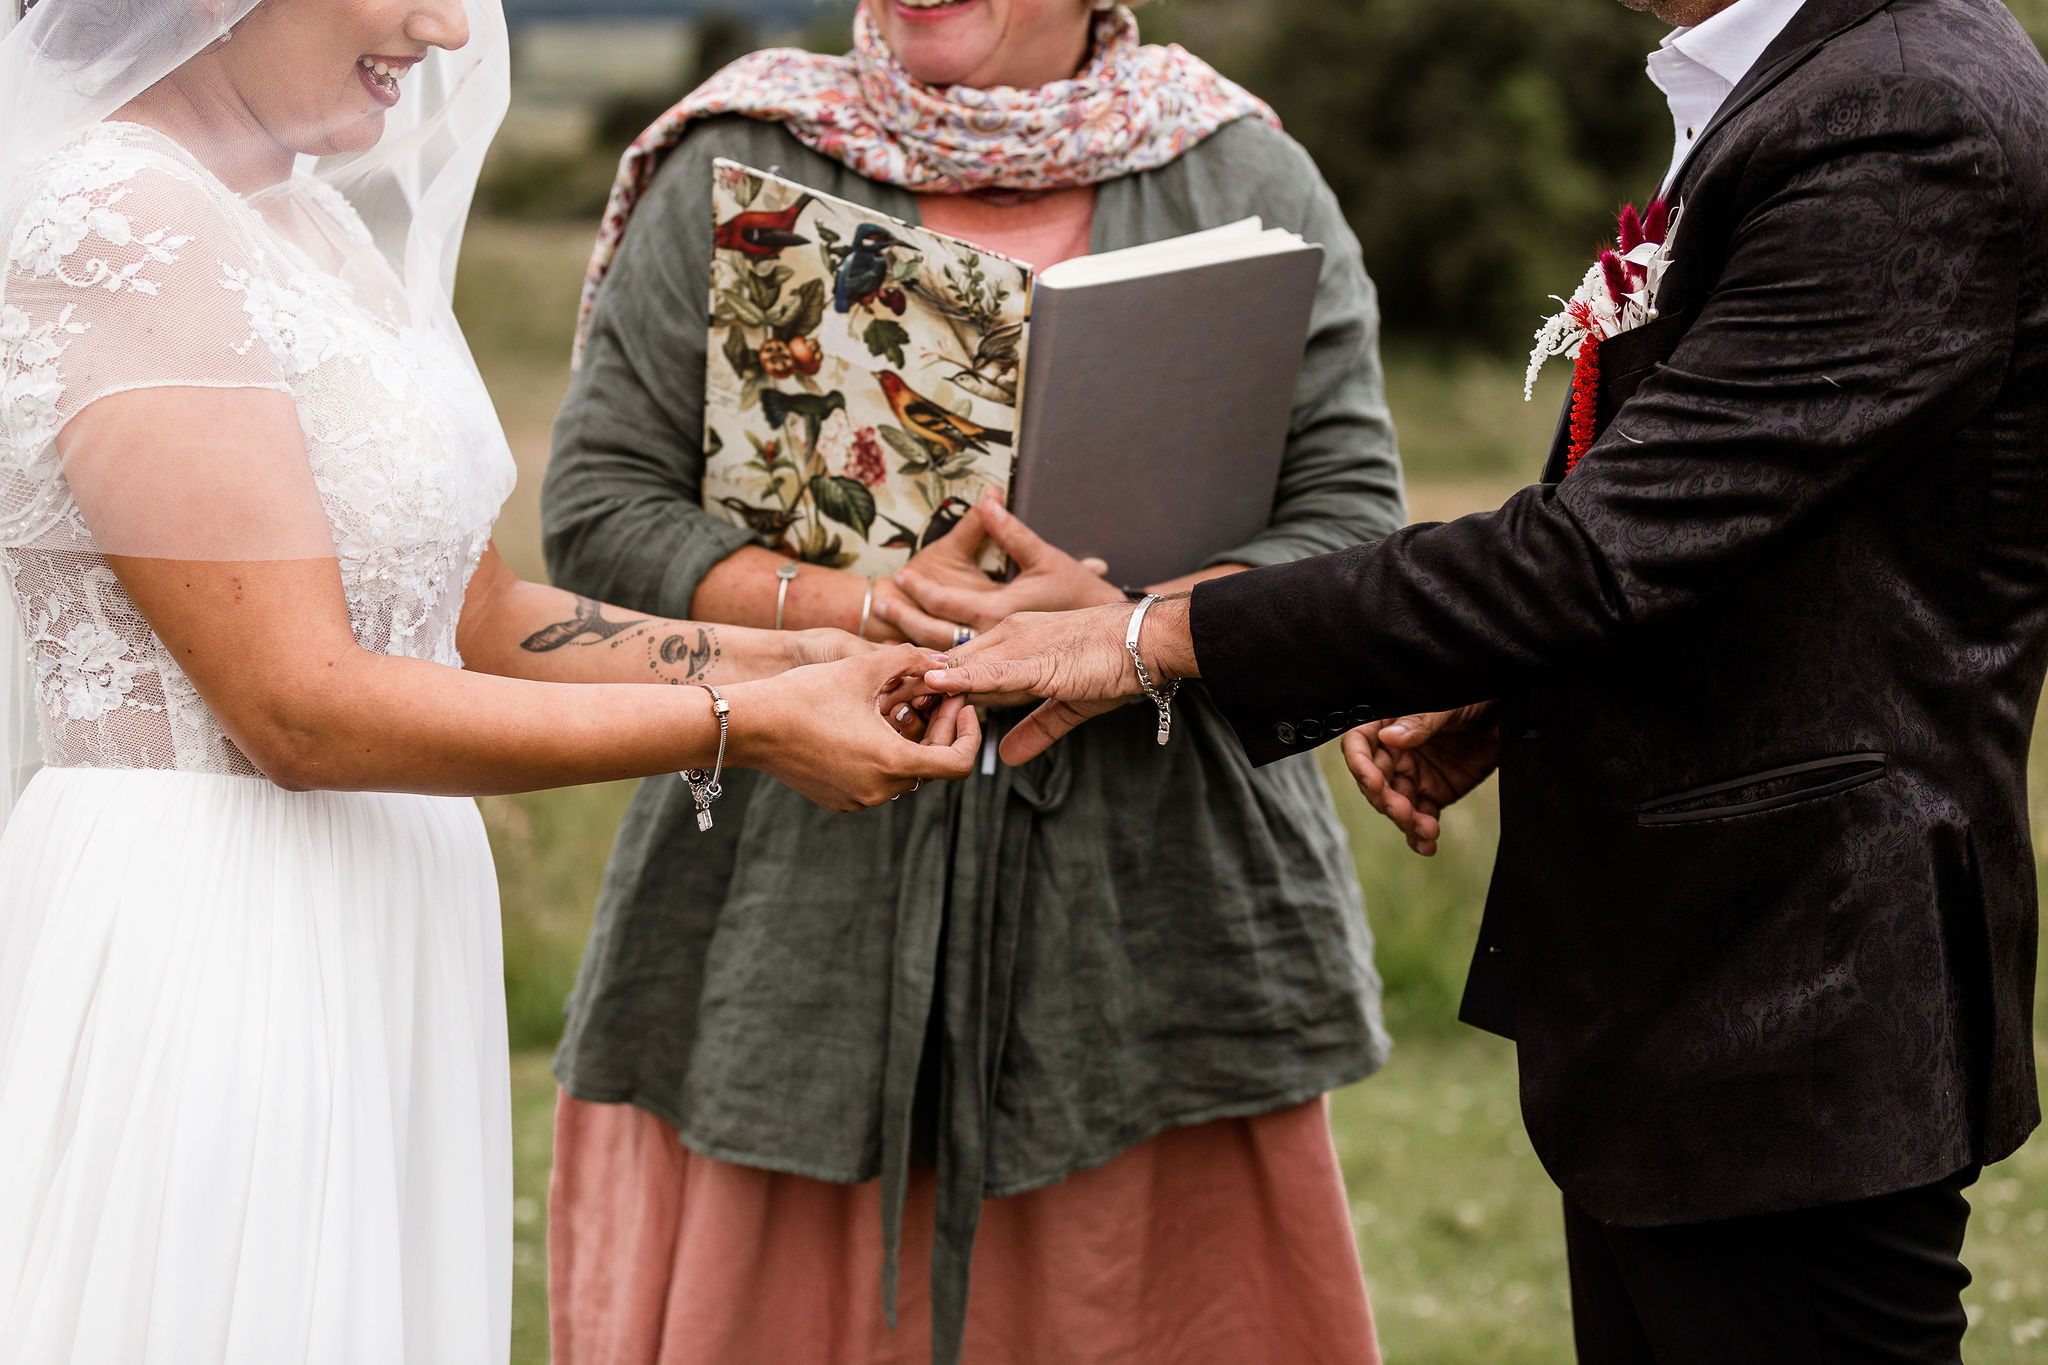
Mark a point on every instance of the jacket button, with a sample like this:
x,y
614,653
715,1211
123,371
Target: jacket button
x,y
1284,732
1310,729
1337,722
1363,714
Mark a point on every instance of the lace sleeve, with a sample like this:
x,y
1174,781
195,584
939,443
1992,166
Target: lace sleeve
x,y
130,270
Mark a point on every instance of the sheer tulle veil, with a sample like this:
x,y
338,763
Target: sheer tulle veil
x,y
67,65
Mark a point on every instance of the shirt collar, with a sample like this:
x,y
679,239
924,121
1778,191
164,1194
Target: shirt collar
x,y
1734,40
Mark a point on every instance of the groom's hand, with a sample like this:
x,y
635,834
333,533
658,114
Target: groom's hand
x,y
1410,769
1074,661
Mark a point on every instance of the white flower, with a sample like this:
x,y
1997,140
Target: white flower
x,y
1592,311
94,675
109,226
296,327
49,232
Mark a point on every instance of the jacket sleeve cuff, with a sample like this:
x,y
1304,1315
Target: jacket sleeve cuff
x,y
1272,682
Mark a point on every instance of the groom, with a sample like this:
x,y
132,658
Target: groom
x,y
1766,664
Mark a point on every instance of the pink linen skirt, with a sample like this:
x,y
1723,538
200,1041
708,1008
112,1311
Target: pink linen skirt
x,y
1228,1242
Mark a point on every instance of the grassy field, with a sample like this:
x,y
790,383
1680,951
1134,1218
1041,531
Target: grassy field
x,y
1457,1224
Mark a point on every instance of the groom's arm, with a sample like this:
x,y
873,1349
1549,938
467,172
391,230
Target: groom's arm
x,y
1866,310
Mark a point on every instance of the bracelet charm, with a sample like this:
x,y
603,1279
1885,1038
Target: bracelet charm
x,y
1162,697
705,787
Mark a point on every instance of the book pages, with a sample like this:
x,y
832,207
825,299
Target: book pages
x,y
862,375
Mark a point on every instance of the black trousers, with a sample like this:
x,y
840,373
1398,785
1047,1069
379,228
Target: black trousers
x,y
1876,1282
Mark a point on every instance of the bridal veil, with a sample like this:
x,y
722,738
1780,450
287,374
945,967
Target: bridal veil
x,y
68,65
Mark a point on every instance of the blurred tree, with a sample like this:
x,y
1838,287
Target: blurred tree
x,y
1480,147
721,39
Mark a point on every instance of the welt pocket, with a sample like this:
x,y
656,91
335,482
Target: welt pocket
x,y
1765,791
1642,349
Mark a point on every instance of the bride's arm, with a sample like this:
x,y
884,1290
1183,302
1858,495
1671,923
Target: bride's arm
x,y
206,511
528,630
271,650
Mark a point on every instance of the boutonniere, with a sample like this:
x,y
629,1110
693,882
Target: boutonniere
x,y
1618,295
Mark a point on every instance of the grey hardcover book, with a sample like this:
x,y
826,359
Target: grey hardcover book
x,y
1157,395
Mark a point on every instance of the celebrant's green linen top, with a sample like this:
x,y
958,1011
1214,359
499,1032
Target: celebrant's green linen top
x,y
1018,976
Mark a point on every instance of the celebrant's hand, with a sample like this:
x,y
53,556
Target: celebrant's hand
x,y
1410,769
821,730
1075,662
944,586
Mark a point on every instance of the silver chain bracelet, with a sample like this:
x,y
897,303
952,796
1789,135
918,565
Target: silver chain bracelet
x,y
1162,697
704,787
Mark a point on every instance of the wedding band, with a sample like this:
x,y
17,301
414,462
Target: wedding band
x,y
917,784
961,635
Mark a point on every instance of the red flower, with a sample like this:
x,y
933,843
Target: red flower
x,y
1585,401
867,462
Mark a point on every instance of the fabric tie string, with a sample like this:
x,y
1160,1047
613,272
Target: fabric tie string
x,y
1132,108
974,849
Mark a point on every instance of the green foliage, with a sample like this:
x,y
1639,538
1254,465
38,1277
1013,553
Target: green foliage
x,y
801,313
846,501
887,337
535,187
1480,147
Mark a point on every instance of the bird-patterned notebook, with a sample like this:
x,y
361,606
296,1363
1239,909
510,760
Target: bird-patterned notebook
x,y
862,377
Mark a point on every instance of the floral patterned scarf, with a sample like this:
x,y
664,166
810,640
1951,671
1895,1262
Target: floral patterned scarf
x,y
1132,108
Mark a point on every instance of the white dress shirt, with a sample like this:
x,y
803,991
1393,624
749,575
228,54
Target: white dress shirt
x,y
1698,68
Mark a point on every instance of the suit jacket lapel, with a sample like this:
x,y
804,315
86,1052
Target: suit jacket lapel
x,y
1816,23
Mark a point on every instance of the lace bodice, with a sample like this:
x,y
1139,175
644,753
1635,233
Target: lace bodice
x,y
128,266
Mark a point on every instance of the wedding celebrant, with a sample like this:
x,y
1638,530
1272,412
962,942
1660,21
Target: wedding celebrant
x,y
255,1102
1758,663
1073,1021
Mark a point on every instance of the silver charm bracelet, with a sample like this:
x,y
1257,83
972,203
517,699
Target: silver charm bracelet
x,y
704,787
1162,697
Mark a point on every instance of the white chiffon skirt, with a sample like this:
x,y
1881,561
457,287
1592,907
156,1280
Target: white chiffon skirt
x,y
254,1090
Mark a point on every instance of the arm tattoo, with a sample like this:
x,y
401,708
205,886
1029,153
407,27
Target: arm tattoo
x,y
677,651
674,658
587,627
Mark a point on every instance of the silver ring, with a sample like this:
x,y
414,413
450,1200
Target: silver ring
x,y
917,785
962,634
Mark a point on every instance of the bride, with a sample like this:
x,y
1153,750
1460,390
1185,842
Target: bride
x,y
253,1073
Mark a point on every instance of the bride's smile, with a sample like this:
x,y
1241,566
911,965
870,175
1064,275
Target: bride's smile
x,y
381,75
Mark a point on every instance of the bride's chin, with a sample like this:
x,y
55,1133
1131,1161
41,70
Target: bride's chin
x,y
346,139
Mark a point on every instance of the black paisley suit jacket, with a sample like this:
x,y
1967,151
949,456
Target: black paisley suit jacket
x,y
1763,921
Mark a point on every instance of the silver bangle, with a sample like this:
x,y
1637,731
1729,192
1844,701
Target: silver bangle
x,y
1162,697
867,607
704,787
784,576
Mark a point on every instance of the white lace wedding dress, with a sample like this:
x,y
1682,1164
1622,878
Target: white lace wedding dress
x,y
254,1103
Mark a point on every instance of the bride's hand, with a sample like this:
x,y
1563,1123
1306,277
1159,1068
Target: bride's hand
x,y
944,584
824,646
821,731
